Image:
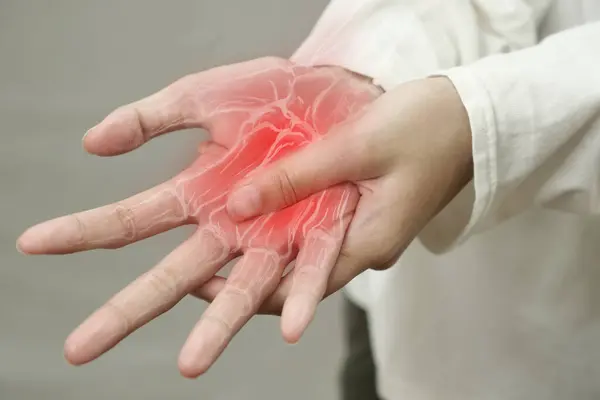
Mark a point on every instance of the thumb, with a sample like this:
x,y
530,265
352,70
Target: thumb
x,y
331,160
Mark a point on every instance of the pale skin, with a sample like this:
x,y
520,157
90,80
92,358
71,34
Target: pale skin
x,y
403,180
256,113
410,153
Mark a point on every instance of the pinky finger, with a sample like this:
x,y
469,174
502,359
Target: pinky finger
x,y
209,291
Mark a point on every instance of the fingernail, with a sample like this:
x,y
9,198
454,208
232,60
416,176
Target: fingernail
x,y
244,202
84,136
19,249
88,132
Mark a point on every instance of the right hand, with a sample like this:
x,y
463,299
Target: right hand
x,y
408,152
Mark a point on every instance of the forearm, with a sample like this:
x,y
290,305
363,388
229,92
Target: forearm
x,y
535,122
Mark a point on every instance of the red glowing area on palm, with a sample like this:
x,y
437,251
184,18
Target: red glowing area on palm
x,y
261,118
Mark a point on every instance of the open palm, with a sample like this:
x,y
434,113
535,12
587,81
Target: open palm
x,y
256,112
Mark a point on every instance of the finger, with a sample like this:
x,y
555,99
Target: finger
x,y
353,258
130,126
334,159
344,270
252,279
379,231
187,103
211,289
143,215
309,282
152,294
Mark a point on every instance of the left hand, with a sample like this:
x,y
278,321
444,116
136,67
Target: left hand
x,y
409,153
255,112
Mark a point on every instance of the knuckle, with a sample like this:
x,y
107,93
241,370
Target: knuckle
x,y
310,280
124,320
286,187
327,237
144,130
131,125
185,92
216,319
309,273
243,299
165,282
304,276
79,238
127,224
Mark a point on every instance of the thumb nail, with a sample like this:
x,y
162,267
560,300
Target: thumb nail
x,y
244,202
19,249
89,131
86,134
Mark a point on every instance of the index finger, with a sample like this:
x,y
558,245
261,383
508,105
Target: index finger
x,y
130,126
190,102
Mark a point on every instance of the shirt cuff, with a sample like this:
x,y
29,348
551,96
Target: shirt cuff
x,y
465,214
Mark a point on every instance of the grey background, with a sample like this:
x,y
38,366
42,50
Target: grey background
x,y
63,66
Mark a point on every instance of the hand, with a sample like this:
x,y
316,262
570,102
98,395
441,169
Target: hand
x,y
256,112
409,153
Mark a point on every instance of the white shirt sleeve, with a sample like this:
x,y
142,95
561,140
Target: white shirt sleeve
x,y
393,41
535,122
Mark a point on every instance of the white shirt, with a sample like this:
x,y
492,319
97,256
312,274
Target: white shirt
x,y
499,298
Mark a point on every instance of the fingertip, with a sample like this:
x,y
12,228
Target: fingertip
x,y
291,331
107,145
41,238
190,367
297,314
20,247
117,134
87,143
199,352
26,244
72,354
92,140
290,337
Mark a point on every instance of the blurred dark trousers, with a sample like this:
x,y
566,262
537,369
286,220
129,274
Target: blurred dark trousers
x,y
358,369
